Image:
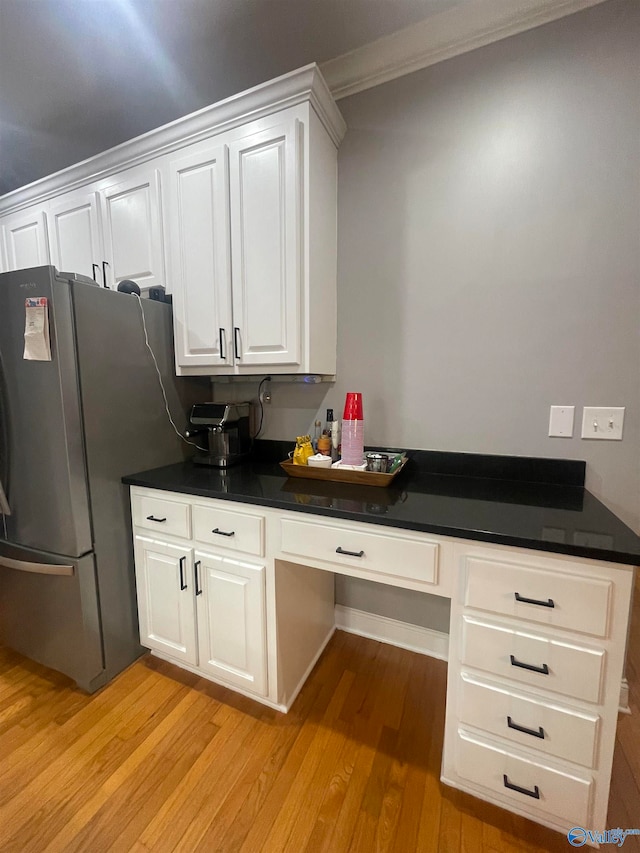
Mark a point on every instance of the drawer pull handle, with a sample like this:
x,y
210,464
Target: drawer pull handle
x,y
183,560
223,532
548,603
525,730
153,518
543,670
196,566
507,784
340,550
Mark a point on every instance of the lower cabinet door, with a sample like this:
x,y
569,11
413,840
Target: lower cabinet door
x,y
230,602
166,609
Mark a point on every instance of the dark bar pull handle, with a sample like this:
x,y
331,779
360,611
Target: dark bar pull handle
x,y
223,532
507,784
95,267
223,348
548,603
349,553
196,565
236,332
105,264
183,560
525,730
153,518
543,670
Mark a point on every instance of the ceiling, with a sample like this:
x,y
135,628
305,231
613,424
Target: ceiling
x,y
80,76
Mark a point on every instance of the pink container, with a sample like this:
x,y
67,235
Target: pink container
x,y
353,430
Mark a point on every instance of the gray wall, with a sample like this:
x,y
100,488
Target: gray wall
x,y
489,254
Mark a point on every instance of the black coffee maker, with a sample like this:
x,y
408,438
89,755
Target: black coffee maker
x,y
223,431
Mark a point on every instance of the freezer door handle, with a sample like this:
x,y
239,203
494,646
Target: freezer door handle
x,y
5,509
38,568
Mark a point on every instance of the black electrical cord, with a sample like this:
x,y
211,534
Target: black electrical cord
x,y
262,381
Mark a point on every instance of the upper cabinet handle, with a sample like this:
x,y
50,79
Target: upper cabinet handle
x,y
104,273
548,603
236,332
95,267
223,348
183,583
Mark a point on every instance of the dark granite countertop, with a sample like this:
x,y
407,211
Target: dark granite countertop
x,y
525,502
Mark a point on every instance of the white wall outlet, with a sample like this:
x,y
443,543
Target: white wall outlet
x,y
600,422
561,421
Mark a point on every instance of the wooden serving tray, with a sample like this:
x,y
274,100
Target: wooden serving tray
x,y
337,475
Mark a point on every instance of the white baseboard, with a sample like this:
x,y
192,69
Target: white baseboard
x,y
426,641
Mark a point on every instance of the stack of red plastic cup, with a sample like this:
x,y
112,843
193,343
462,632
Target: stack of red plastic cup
x,y
353,430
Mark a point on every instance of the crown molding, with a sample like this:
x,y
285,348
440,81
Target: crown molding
x,y
302,85
441,36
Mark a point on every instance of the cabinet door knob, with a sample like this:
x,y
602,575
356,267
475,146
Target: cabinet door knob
x,y
539,733
236,349
543,670
95,267
507,784
223,348
548,603
183,561
105,264
340,550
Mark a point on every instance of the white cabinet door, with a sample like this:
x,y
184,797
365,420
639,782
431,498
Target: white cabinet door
x,y
230,598
266,197
165,588
198,227
132,224
24,236
75,235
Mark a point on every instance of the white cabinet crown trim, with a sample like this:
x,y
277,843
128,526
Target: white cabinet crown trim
x,y
304,84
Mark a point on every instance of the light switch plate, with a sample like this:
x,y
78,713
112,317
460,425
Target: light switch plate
x,y
603,423
561,421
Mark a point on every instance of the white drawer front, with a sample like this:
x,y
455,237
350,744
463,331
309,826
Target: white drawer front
x,y
386,553
225,528
548,728
536,595
562,795
161,515
561,667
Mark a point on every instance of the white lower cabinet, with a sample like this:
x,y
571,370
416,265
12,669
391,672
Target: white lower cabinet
x,y
202,609
166,603
230,595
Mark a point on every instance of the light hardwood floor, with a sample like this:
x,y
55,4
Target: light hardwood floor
x,y
161,760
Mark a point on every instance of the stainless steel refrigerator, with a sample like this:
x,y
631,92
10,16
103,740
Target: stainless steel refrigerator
x,y
70,428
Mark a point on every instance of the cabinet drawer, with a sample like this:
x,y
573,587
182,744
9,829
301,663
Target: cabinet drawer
x,y
387,553
549,728
161,514
238,531
541,662
536,595
499,771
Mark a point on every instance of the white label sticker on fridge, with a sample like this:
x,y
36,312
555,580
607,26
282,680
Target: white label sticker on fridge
x,y
37,345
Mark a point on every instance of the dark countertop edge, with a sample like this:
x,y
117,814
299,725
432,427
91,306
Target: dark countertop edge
x,y
488,536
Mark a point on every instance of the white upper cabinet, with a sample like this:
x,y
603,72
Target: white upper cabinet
x,y
197,197
75,233
246,192
265,195
132,223
24,238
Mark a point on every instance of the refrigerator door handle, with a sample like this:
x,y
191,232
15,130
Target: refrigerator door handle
x,y
38,568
